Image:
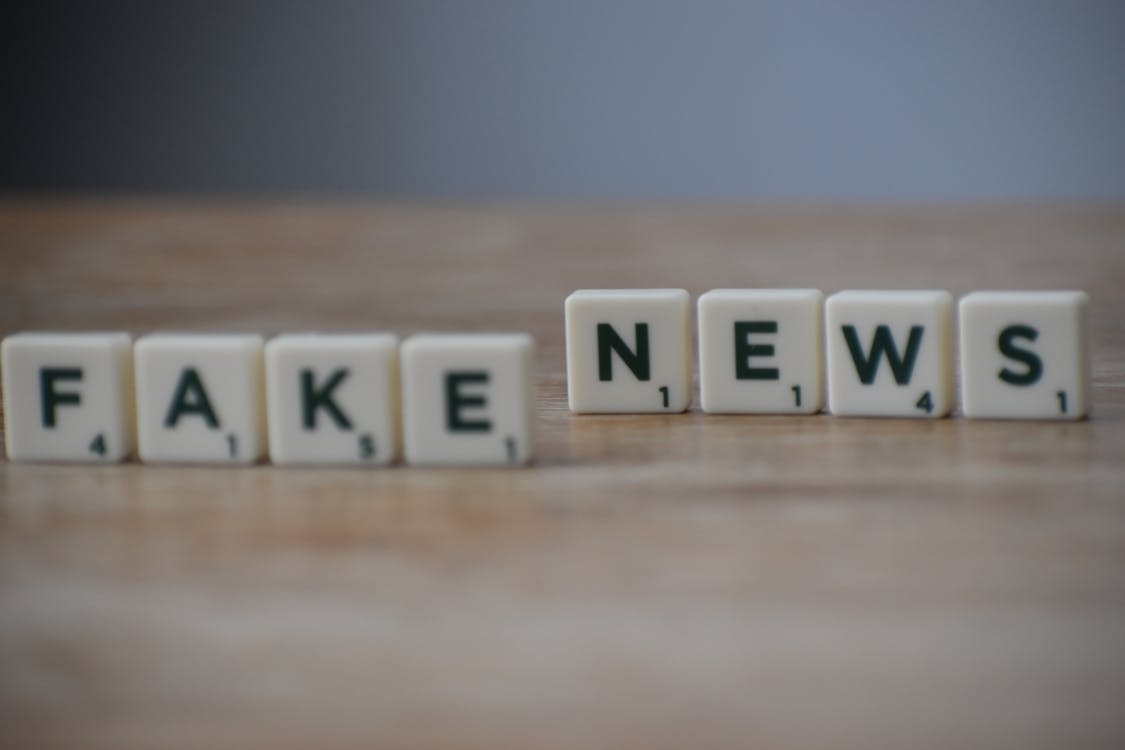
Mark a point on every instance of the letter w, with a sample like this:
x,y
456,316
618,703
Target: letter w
x,y
867,365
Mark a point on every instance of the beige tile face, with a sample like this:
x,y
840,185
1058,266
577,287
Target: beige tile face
x,y
333,399
628,351
200,398
468,399
68,397
1024,355
760,351
890,353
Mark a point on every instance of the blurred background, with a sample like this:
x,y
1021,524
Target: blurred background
x,y
766,101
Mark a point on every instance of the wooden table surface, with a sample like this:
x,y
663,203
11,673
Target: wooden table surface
x,y
682,581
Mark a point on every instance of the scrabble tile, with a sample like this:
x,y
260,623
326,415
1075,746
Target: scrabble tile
x,y
68,396
468,399
760,351
1024,355
332,398
628,350
890,353
200,398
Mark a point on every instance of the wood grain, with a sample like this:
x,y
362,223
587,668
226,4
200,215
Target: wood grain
x,y
653,582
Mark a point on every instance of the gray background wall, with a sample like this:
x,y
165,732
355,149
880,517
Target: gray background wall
x,y
769,100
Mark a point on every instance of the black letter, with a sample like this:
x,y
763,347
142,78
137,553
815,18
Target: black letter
x,y
1011,351
455,401
312,398
200,404
744,350
882,343
49,398
609,342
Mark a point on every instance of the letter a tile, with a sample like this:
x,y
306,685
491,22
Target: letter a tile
x,y
200,398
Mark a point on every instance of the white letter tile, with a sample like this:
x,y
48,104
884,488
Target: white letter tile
x,y
890,353
333,398
468,399
1024,355
68,396
200,398
760,351
628,350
